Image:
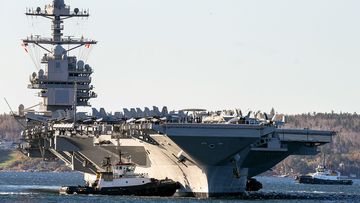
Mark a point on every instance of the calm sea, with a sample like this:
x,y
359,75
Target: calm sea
x,y
43,187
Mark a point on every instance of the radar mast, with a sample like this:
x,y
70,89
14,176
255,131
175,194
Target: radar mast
x,y
64,77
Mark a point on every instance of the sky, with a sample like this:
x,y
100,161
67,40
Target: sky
x,y
296,56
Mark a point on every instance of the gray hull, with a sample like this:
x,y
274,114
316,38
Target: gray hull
x,y
208,160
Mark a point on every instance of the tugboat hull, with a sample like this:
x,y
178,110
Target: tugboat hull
x,y
154,188
310,180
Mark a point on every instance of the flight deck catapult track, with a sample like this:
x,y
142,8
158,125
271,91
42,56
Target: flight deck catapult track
x,y
208,153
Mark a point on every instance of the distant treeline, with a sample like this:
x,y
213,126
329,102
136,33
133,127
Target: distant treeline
x,y
342,154
9,128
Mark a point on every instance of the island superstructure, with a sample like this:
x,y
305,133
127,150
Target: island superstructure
x,y
65,83
209,153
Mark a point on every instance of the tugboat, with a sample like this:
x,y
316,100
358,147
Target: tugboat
x,y
121,179
324,176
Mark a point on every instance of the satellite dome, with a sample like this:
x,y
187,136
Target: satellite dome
x,y
41,72
59,50
21,110
21,106
80,64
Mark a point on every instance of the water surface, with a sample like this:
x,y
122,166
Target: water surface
x,y
43,187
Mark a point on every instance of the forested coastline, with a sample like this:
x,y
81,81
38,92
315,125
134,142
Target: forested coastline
x,y
342,154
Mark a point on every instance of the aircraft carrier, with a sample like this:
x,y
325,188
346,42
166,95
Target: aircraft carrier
x,y
209,152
